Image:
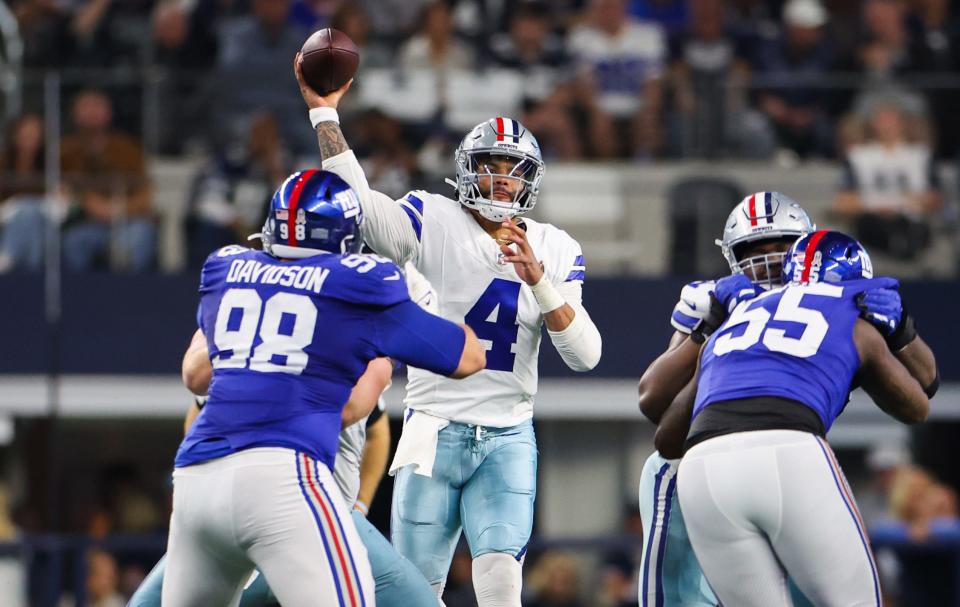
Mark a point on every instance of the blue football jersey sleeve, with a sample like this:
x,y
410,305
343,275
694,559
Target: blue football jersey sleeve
x,y
420,339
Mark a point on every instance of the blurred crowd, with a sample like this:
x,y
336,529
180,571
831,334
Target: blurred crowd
x,y
869,83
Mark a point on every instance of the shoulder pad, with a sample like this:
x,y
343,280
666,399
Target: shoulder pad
x,y
366,280
219,261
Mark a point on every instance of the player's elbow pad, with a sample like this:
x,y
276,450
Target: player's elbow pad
x,y
580,343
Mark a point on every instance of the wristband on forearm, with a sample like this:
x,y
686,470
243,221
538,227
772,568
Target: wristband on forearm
x,y
904,334
547,296
359,505
323,114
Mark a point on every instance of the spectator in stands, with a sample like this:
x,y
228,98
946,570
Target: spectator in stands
x,y
620,63
102,582
353,20
106,175
230,194
253,75
790,69
618,568
890,189
388,161
935,49
395,19
554,581
885,50
919,500
708,78
532,49
43,26
185,47
312,15
436,46
22,217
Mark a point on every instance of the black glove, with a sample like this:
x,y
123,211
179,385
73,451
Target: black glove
x,y
904,334
709,323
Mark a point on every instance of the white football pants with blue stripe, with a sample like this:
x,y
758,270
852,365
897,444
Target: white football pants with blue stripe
x,y
272,509
759,505
670,575
398,583
483,484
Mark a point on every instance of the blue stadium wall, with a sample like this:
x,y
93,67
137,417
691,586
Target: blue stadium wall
x,y
141,324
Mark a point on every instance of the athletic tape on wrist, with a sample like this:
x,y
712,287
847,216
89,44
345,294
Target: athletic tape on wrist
x,y
323,114
548,298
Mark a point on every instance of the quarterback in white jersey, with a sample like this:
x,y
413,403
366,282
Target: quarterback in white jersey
x,y
467,458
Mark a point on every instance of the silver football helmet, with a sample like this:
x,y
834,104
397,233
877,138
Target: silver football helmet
x,y
477,175
762,216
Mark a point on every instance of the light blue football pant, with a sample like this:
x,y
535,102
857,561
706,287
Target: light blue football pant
x,y
399,584
670,575
484,482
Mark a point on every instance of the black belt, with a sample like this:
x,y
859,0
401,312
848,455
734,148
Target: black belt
x,y
750,414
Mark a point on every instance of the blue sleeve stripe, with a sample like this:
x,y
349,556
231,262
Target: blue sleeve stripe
x,y
685,320
414,218
575,275
416,202
578,261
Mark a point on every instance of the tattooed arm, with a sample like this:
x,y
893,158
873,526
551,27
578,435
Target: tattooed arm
x,y
386,227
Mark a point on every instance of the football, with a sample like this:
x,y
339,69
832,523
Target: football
x,y
328,59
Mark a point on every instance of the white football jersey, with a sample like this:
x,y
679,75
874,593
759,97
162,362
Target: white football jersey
x,y
462,262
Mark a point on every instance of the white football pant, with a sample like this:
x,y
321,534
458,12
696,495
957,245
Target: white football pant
x,y
272,509
761,504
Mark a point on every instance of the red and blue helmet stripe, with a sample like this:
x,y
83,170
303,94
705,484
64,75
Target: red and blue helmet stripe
x,y
826,256
314,210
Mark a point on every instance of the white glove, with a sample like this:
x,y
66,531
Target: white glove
x,y
693,306
421,291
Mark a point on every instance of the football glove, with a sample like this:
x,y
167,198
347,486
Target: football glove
x,y
694,304
882,307
729,292
732,290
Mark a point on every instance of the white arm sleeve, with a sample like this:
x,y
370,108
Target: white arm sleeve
x,y
580,343
386,227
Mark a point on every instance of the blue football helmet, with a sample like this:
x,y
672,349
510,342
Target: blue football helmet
x,y
826,256
312,212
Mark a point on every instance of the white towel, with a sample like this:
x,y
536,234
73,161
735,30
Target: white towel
x,y
418,443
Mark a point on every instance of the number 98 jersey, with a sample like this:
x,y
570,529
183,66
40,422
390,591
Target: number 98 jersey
x,y
474,286
288,340
795,342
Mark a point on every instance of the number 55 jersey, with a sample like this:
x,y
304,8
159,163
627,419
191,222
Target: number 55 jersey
x,y
289,339
794,343
475,286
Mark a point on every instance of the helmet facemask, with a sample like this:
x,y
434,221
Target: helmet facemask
x,y
479,181
763,269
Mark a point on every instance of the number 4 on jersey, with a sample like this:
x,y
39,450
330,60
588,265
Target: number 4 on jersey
x,y
494,318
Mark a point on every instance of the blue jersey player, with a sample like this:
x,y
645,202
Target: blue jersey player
x,y
756,236
761,491
289,331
